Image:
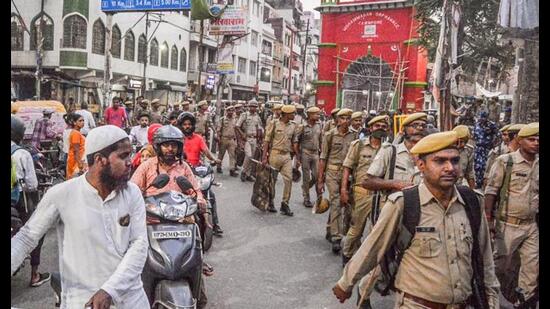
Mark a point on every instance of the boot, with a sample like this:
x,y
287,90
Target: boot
x,y
285,210
308,204
217,230
345,260
219,170
243,177
251,178
336,246
233,173
271,208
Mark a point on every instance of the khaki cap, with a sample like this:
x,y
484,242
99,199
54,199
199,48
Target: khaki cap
x,y
155,101
238,105
529,130
334,111
185,103
516,127
313,109
505,128
144,101
435,142
201,103
253,103
229,108
462,131
277,106
413,117
345,112
288,109
356,115
376,119
300,106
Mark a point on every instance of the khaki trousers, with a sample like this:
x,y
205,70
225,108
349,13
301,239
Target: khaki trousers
x,y
228,144
524,238
362,200
335,220
310,161
283,164
249,150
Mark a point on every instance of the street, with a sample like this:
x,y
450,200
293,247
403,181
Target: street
x,y
264,260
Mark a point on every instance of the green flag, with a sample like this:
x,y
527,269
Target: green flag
x,y
200,10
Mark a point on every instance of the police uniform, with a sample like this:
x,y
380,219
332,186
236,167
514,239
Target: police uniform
x,y
140,109
299,119
331,123
276,107
249,123
436,269
500,149
156,117
202,124
466,156
309,138
280,137
516,228
334,149
228,142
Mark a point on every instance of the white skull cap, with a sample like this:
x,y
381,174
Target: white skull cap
x,y
102,137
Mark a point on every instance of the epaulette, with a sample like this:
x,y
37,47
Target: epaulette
x,y
469,146
395,196
353,143
479,193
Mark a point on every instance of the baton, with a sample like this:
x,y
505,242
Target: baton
x,y
258,162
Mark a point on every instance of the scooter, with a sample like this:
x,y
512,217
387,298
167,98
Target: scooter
x,y
205,177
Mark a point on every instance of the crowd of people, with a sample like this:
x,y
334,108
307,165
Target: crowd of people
x,y
448,210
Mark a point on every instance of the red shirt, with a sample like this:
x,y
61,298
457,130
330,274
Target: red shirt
x,y
115,117
193,146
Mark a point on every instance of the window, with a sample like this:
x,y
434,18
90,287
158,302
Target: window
x,y
242,65
254,38
129,46
164,55
115,42
142,49
183,60
74,32
256,8
154,53
174,58
252,71
98,38
265,75
16,33
211,56
47,32
266,48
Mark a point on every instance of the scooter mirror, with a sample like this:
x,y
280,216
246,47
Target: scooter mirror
x,y
184,183
160,181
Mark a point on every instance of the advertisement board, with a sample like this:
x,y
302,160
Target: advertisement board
x,y
232,22
225,60
144,5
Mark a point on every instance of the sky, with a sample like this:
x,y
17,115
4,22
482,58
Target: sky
x,y
309,5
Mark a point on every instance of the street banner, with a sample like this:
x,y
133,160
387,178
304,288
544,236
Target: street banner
x,y
225,60
232,22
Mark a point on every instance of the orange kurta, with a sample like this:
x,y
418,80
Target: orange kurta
x,y
75,137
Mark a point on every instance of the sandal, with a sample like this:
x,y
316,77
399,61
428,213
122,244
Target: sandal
x,y
43,278
207,269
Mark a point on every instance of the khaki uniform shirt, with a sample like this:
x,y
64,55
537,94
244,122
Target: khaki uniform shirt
x,y
156,117
523,191
493,155
335,153
227,127
299,120
466,164
201,126
249,123
271,118
309,137
281,135
329,125
405,169
359,158
437,265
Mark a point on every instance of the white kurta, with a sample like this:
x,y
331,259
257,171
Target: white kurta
x,y
139,135
95,250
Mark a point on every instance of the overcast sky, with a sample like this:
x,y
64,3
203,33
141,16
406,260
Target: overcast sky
x,y
309,5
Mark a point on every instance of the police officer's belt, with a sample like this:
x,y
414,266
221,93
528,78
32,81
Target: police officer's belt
x,y
251,136
310,151
433,305
281,152
516,221
334,167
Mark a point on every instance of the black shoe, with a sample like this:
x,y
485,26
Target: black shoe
x,y
233,173
44,277
217,230
219,170
345,260
327,236
271,208
336,246
251,178
308,204
285,210
243,177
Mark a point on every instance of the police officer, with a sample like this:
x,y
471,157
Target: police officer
x,y
514,178
510,143
185,106
309,139
436,269
202,117
467,176
142,106
156,117
358,159
280,140
228,142
276,113
331,123
333,152
356,123
300,118
248,126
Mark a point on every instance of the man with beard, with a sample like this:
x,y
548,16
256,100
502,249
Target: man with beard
x,y
441,232
138,134
100,221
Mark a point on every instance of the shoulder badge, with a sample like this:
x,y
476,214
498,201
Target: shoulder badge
x,y
395,196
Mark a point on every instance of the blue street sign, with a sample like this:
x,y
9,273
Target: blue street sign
x,y
144,5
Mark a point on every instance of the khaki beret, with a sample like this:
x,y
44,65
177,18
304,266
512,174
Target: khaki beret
x,y
185,103
413,117
345,112
516,127
155,101
529,130
313,109
356,115
288,109
462,131
300,106
201,103
229,108
277,106
376,119
334,111
435,142
505,128
144,101
253,103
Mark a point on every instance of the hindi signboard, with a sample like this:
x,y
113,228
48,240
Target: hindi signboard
x,y
144,5
225,60
232,22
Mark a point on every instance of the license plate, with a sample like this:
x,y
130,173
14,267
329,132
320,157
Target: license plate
x,y
171,234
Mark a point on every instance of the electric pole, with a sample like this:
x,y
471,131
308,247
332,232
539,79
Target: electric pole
x,y
107,70
39,52
198,92
144,83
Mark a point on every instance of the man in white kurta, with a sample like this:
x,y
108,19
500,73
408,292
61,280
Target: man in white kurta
x,y
101,231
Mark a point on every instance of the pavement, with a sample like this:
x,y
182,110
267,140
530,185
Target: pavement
x,y
264,260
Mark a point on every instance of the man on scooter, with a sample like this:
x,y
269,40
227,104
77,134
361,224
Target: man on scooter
x,y
194,148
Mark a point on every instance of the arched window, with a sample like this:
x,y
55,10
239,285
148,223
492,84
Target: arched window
x,y
98,38
174,58
183,60
154,53
129,46
164,55
115,42
142,48
47,32
16,33
74,32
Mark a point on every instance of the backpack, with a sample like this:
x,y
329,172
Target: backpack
x,y
411,217
376,207
15,187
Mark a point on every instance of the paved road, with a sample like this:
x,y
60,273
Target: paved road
x,y
264,260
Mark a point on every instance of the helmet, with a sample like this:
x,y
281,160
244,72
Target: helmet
x,y
372,112
151,131
296,175
186,116
17,129
321,205
168,133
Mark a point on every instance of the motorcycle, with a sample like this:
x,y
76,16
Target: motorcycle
x,y
205,177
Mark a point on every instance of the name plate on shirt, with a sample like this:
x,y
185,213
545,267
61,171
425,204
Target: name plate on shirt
x,y
171,234
425,229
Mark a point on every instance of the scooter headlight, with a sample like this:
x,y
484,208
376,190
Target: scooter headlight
x,y
204,182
